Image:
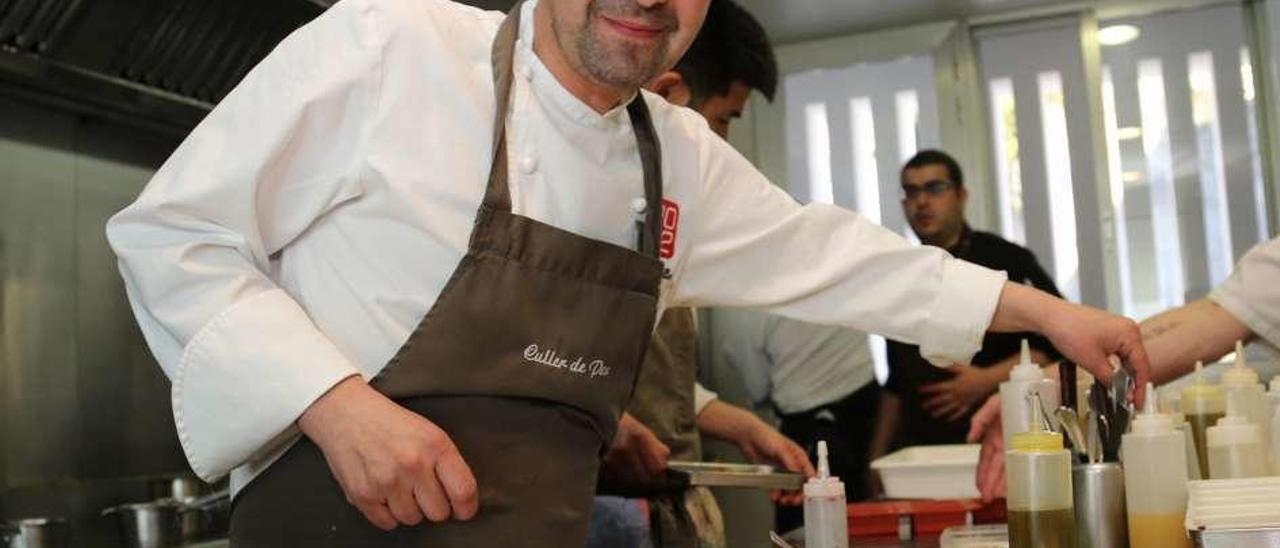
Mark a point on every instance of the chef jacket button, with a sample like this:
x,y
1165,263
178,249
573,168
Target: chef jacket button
x,y
528,165
526,72
638,205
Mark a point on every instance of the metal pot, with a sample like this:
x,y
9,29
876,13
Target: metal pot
x,y
205,516
177,488
148,524
37,533
168,522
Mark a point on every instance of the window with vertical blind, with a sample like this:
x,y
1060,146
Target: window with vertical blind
x,y
1182,135
851,130
1042,156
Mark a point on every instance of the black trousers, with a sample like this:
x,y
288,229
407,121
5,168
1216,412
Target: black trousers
x,y
847,426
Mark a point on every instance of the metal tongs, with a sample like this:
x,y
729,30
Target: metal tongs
x,y
1107,418
1112,411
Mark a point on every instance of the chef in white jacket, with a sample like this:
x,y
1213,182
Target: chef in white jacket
x,y
293,245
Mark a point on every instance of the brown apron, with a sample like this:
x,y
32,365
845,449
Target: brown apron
x,y
664,394
679,516
526,359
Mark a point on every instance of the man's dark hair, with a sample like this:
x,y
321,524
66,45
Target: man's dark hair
x,y
731,47
931,157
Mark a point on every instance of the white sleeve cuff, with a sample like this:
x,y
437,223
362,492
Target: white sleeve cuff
x,y
965,304
701,397
246,377
1227,296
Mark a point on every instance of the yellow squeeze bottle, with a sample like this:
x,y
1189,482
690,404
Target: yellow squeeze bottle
x,y
1203,404
1038,478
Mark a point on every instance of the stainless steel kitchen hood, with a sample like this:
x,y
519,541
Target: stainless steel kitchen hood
x,y
164,62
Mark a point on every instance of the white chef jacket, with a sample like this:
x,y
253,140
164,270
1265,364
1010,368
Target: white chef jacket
x,y
796,365
300,233
1250,293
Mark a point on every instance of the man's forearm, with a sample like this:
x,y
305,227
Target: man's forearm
x,y
1023,308
727,422
886,425
1177,338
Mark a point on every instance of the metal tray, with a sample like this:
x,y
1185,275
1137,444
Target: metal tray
x,y
720,474
1234,538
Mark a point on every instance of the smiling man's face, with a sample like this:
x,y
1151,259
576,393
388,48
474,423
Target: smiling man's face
x,y
624,43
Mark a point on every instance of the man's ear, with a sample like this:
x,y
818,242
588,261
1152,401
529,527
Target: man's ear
x,y
670,85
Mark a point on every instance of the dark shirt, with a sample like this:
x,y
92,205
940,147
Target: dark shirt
x,y
908,371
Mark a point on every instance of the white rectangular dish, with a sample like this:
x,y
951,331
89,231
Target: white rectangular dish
x,y
937,472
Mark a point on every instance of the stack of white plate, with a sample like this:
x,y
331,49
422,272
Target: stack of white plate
x,y
1233,504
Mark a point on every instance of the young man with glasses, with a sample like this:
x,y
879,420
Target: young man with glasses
x,y
924,404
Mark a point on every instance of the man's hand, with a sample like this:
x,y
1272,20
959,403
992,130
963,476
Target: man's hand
x,y
952,398
985,427
761,443
1086,336
765,445
392,464
637,457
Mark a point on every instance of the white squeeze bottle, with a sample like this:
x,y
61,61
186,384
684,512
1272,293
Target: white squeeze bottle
x,y
1235,446
1273,395
1275,443
1155,462
1015,412
1240,382
1273,410
825,521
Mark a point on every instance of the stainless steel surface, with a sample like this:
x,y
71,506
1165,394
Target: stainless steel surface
x,y
1101,521
1069,423
716,474
148,525
179,47
182,487
41,533
211,499
85,416
1093,445
1237,538
202,517
778,540
1121,384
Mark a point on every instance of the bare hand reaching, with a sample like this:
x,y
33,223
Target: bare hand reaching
x,y
637,458
1087,336
985,427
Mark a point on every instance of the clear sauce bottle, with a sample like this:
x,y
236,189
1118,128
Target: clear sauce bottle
x,y
1275,443
826,522
1026,378
1202,404
1235,447
1155,459
1038,477
1240,382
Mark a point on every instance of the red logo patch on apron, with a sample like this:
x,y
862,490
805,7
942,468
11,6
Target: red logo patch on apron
x,y
670,226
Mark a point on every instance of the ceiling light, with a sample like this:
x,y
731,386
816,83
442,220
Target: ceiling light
x,y
1116,35
1129,132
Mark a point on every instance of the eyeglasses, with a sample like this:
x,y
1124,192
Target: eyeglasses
x,y
931,188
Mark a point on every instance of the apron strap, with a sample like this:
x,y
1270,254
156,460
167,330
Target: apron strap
x,y
497,194
651,163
